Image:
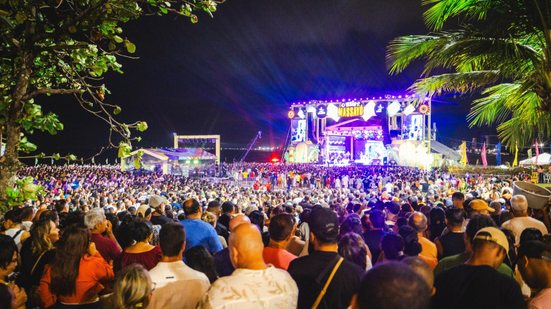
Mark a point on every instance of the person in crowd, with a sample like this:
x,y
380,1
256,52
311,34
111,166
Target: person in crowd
x,y
392,285
313,272
418,221
534,263
198,232
453,242
222,260
253,284
141,252
98,224
201,260
13,228
392,248
228,210
422,269
27,214
211,219
215,208
353,248
176,284
529,234
521,220
77,274
437,223
8,263
132,289
375,232
458,198
36,253
158,216
480,207
282,228
466,286
497,212
475,224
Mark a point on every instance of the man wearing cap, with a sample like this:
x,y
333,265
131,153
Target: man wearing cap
x,y
534,263
480,207
324,266
522,221
477,283
158,203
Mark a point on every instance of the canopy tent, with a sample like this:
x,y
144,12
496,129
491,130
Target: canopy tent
x,y
543,159
167,160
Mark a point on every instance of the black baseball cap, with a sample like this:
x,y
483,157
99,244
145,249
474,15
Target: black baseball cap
x,y
324,224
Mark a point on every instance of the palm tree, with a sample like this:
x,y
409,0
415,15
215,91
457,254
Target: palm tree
x,y
499,49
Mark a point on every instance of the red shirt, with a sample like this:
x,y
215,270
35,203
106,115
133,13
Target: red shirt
x,y
280,258
106,247
148,259
93,272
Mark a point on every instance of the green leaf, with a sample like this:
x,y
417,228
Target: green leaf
x,y
124,150
117,39
130,47
141,126
117,110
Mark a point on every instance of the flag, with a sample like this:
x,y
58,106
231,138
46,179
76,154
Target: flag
x,y
537,152
498,153
35,161
530,153
515,161
483,155
463,152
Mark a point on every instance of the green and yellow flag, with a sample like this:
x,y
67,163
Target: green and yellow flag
x,y
515,161
463,151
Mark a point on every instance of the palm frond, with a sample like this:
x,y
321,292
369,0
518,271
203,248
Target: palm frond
x,y
454,82
402,51
442,10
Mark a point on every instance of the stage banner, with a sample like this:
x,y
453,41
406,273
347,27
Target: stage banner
x,y
463,151
498,154
483,154
537,152
515,161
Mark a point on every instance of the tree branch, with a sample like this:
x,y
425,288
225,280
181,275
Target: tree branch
x,y
51,91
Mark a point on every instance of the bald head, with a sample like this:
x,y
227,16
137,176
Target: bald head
x,y
238,220
418,221
245,246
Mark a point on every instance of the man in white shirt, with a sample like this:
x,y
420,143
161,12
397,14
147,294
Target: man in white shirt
x,y
253,284
522,221
176,284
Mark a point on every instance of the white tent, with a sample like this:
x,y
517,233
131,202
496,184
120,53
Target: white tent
x,y
543,159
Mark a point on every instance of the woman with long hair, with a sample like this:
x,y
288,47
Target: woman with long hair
x,y
77,273
132,290
36,253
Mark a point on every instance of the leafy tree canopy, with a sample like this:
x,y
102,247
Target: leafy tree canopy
x,y
52,47
500,49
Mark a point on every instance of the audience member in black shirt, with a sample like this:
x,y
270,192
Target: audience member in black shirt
x,y
452,242
312,271
376,232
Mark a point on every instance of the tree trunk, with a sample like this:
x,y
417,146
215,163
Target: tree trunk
x,y
9,163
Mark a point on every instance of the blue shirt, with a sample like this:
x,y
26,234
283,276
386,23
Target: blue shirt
x,y
200,233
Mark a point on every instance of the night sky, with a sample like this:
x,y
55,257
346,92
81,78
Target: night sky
x,y
237,73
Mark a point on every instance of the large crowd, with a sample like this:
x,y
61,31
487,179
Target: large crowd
x,y
274,236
